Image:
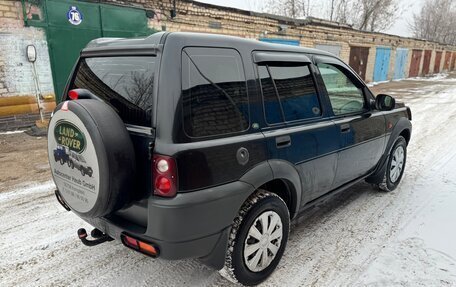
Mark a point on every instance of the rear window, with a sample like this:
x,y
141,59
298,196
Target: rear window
x,y
214,92
126,83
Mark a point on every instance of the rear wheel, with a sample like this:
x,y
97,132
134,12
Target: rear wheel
x,y
258,238
395,165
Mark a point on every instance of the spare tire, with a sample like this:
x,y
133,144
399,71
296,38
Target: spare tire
x,y
93,136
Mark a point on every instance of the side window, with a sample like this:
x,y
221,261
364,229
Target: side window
x,y
214,93
289,93
345,97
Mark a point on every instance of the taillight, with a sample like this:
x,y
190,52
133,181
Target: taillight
x,y
73,94
138,245
165,175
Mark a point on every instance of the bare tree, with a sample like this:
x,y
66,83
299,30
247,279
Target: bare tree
x,y
296,9
331,10
369,15
436,21
140,90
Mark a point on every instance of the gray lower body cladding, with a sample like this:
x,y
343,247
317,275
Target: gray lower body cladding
x,y
191,225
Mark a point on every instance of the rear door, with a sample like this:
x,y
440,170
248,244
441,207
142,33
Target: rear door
x,y
297,126
361,130
125,83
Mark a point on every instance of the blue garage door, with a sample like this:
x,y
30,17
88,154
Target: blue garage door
x,y
280,41
382,62
401,62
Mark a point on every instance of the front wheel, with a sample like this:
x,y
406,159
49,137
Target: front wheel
x,y
395,166
257,240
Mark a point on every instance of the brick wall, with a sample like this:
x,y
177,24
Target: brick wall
x,y
10,15
199,17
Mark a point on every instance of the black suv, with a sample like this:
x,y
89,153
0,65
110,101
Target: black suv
x,y
206,146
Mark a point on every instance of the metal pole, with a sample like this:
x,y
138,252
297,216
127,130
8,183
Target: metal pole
x,y
38,92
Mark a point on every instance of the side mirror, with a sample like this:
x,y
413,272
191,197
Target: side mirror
x,y
384,102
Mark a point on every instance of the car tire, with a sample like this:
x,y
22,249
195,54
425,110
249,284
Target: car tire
x,y
260,208
62,161
395,166
82,172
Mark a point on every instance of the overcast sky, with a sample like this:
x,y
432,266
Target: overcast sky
x,y
399,28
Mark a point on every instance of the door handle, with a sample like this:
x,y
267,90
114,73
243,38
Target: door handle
x,y
344,128
283,141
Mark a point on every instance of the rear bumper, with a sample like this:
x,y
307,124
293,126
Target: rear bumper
x,y
190,225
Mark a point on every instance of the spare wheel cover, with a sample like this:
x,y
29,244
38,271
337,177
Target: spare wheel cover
x,y
100,160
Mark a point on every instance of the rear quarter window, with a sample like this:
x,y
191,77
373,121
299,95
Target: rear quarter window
x,y
126,83
214,92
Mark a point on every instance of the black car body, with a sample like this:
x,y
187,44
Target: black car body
x,y
230,117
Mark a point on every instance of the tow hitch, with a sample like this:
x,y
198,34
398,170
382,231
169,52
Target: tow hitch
x,y
99,236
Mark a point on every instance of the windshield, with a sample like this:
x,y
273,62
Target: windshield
x,y
126,83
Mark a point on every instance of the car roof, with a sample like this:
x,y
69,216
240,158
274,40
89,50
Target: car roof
x,y
200,39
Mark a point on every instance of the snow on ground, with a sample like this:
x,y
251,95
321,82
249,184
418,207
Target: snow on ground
x,y
361,237
12,132
433,78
